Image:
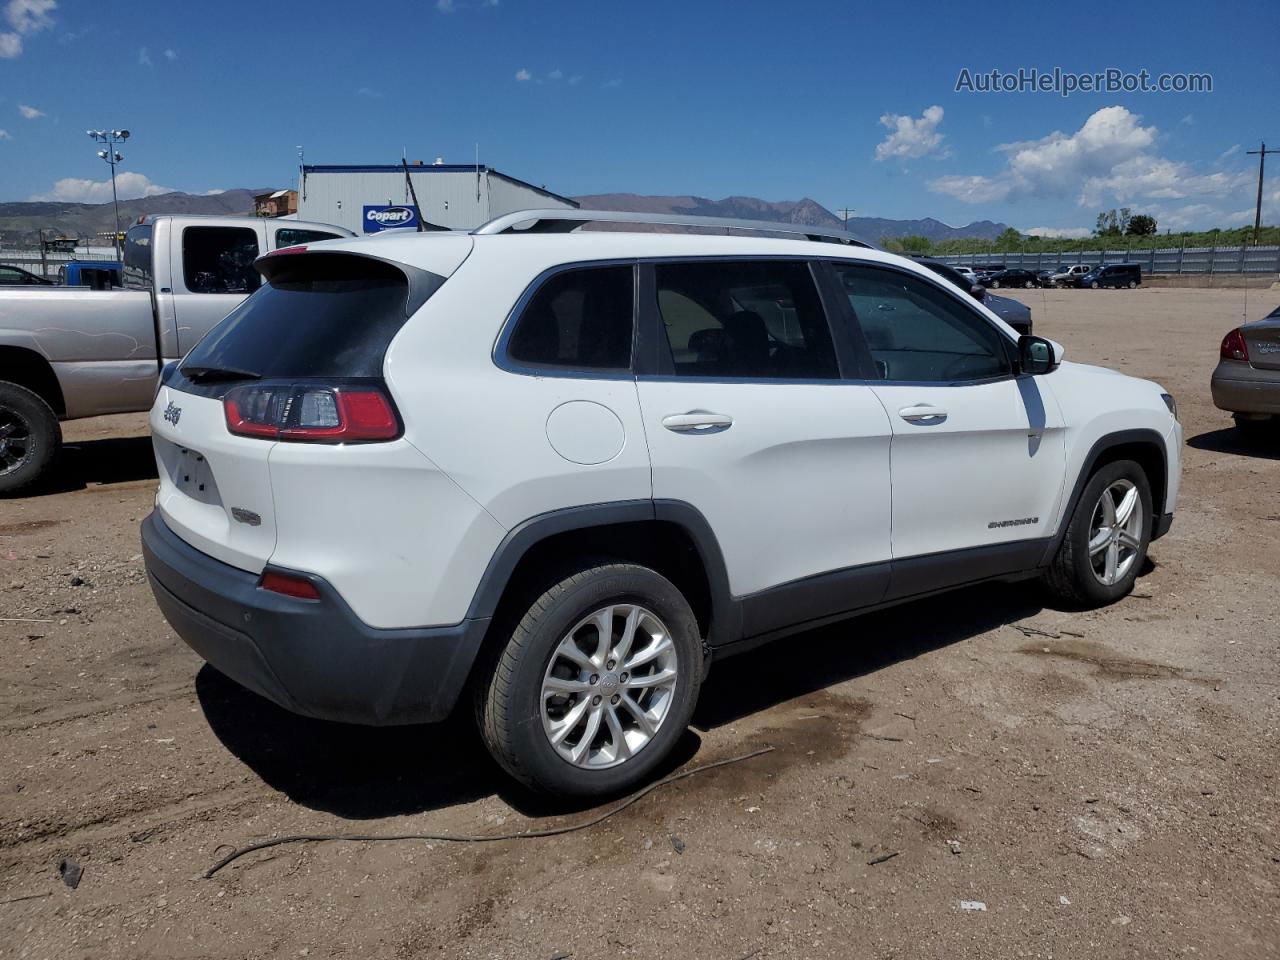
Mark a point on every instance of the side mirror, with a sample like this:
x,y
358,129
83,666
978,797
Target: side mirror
x,y
1036,355
979,292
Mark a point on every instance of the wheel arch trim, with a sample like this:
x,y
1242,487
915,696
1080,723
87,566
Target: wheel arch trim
x,y
1109,441
725,609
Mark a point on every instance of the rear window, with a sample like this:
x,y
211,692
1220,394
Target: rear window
x,y
319,315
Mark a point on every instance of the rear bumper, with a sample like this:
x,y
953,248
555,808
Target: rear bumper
x,y
1239,388
312,657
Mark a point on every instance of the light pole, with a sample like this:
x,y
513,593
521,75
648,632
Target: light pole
x,y
110,138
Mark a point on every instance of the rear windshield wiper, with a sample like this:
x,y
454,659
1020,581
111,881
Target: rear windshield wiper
x,y
216,374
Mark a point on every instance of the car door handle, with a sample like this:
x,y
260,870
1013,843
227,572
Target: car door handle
x,y
697,421
923,413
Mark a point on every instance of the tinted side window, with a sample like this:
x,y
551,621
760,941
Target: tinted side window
x,y
578,319
745,319
292,236
220,259
920,333
137,257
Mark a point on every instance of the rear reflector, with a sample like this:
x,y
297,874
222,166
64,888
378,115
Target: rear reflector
x,y
311,414
290,586
1234,347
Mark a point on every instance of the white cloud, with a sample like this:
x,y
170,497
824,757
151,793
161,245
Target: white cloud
x,y
144,58
489,3
556,75
911,138
1189,119
29,112
4,134
1110,159
445,6
1231,151
30,16
523,75
611,84
130,186
1069,233
170,54
25,17
213,193
575,79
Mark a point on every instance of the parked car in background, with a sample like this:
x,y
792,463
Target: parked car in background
x,y
1246,382
416,467
1013,277
1066,275
1015,314
69,352
1112,275
967,273
17,277
97,274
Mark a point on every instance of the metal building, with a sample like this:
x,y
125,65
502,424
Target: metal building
x,y
368,198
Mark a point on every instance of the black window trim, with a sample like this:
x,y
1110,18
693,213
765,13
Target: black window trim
x,y
501,348
655,362
850,319
182,255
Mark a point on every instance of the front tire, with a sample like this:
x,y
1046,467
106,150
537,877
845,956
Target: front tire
x,y
995,284
1027,285
1106,538
595,684
29,437
1133,284
1095,285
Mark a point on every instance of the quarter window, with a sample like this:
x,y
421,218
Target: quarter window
x,y
136,271
578,319
745,319
220,259
918,332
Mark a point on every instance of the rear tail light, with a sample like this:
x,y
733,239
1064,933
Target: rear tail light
x,y
1234,347
289,584
311,413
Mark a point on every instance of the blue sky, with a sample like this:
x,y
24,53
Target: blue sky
x,y
850,103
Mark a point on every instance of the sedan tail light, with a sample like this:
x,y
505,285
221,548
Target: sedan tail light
x,y
1234,347
311,413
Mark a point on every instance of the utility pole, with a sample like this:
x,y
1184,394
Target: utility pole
x,y
1261,154
109,138
847,213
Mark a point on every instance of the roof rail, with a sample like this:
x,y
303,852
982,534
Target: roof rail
x,y
566,221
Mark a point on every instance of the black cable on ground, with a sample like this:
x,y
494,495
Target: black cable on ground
x,y
480,838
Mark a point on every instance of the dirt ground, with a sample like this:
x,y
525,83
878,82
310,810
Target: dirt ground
x,y
1105,783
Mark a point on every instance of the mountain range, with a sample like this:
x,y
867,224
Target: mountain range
x,y
21,222
790,211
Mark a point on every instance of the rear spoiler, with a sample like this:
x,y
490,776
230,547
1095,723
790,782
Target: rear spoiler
x,y
285,265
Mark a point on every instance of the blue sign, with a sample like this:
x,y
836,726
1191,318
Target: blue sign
x,y
386,217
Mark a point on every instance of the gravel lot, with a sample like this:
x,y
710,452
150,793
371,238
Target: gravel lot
x,y
1106,783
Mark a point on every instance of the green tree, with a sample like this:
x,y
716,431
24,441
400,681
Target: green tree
x,y
1009,239
908,244
1108,224
1142,225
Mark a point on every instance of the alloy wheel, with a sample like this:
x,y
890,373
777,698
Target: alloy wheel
x,y
1115,532
15,440
609,686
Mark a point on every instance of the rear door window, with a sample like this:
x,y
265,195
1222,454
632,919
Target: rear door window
x,y
319,315
292,236
220,259
744,319
137,271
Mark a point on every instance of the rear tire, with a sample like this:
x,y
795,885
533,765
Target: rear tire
x,y
1028,285
1103,549
562,713
1095,285
1133,284
995,284
29,437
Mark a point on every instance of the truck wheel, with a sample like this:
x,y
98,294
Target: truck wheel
x,y
596,683
29,437
1106,538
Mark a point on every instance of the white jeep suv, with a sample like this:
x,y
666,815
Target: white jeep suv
x,y
565,472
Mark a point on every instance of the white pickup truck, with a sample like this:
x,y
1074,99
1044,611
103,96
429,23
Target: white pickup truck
x,y
71,352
